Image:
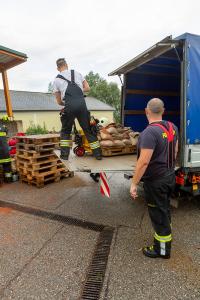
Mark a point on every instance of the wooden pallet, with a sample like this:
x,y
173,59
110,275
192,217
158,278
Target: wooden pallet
x,y
24,163
14,164
38,148
39,168
37,173
36,156
36,161
39,139
49,177
33,153
112,151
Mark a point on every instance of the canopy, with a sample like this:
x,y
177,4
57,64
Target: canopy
x,y
8,59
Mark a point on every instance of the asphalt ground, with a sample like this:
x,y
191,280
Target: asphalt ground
x,y
43,258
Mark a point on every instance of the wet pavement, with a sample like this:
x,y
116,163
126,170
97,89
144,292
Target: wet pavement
x,y
43,258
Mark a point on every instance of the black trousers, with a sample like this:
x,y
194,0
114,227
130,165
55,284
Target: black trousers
x,y
67,120
6,168
157,196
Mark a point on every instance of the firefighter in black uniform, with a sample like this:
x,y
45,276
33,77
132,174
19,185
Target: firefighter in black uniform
x,y
157,150
5,160
69,86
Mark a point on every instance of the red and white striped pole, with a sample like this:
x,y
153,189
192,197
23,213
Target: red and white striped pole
x,y
104,186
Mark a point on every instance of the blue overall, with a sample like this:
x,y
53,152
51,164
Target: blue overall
x,y
75,107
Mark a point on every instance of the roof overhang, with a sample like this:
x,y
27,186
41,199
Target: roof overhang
x,y
158,49
10,58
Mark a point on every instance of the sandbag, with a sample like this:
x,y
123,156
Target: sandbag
x,y
106,143
112,130
120,129
134,134
127,141
134,140
118,143
125,135
110,125
117,136
105,135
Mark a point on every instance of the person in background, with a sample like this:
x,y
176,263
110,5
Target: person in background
x,y
157,151
5,160
68,88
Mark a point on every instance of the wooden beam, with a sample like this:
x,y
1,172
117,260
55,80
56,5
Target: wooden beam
x,y
152,93
7,94
12,64
1,67
13,55
142,112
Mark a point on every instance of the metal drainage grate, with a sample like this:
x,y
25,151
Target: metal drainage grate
x,y
95,277
53,216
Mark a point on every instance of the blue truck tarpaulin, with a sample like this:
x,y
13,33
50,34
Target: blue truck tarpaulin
x,y
192,87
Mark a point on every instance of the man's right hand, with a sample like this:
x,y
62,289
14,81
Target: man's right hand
x,y
133,190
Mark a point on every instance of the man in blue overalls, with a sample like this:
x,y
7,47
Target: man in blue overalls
x,y
69,86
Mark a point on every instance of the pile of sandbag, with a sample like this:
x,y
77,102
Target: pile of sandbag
x,y
115,135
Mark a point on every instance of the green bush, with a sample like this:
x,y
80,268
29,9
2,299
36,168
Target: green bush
x,y
36,129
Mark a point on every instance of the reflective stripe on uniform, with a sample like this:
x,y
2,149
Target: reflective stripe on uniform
x,y
66,143
8,174
5,160
95,145
2,133
163,239
162,248
151,205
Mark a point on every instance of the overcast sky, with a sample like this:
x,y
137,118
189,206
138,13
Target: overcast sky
x,y
97,35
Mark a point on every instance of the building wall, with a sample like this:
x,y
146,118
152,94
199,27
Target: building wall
x,y
51,119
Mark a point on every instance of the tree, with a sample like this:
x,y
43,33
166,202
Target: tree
x,y
108,93
50,87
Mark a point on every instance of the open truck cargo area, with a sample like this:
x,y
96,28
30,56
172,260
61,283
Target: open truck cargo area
x,y
89,164
169,70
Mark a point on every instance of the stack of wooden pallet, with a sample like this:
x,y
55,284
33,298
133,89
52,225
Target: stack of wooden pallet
x,y
36,161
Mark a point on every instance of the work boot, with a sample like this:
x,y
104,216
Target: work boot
x,y
97,153
95,176
98,157
152,253
64,153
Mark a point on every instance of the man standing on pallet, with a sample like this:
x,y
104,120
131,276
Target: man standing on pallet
x,y
157,151
69,86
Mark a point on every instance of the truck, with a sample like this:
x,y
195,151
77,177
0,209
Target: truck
x,y
169,70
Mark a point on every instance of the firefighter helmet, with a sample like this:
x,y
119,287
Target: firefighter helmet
x,y
103,122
